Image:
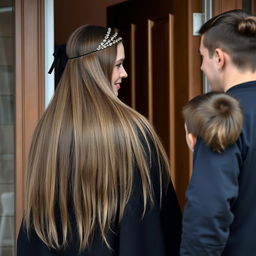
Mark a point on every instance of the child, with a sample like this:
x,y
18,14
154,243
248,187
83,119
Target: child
x,y
215,117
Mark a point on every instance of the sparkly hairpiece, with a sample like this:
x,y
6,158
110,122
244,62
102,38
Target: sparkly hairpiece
x,y
106,42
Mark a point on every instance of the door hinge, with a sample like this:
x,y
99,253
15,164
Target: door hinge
x,y
198,21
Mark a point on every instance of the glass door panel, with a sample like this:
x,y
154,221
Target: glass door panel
x,y
7,122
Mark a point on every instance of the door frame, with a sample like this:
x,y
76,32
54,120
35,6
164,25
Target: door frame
x,y
29,86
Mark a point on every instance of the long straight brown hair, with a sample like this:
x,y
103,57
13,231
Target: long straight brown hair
x,y
85,148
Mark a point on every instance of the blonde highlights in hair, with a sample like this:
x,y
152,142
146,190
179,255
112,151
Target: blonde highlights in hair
x,y
248,25
84,151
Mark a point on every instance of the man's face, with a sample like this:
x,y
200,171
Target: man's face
x,y
210,68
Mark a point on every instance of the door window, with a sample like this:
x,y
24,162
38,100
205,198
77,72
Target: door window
x,y
7,125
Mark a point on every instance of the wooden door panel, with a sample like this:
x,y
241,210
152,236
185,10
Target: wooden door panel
x,y
220,6
160,88
141,68
159,71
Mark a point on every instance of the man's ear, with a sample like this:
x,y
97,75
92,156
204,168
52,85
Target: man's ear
x,y
192,141
219,56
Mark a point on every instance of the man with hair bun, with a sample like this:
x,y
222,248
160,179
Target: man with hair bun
x,y
219,216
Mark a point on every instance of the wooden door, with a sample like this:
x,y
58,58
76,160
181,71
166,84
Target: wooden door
x,y
29,86
220,6
158,46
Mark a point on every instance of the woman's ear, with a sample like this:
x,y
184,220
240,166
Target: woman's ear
x,y
191,139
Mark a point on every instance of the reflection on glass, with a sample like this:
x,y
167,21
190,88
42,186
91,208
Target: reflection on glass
x,y
7,177
247,6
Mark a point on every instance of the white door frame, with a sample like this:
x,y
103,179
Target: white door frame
x,y
49,49
207,7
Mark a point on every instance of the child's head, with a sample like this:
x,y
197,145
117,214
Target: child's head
x,y
215,117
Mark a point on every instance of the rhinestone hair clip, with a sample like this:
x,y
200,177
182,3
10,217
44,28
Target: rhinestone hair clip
x,y
106,42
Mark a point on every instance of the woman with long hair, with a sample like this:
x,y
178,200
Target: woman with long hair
x,y
97,180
